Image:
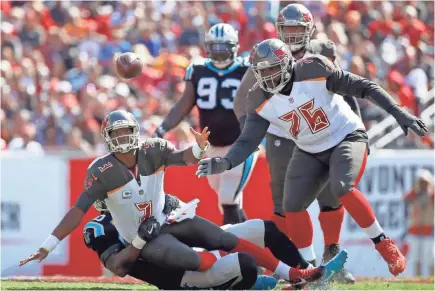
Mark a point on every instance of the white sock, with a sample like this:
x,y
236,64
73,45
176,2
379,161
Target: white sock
x,y
374,230
283,271
308,253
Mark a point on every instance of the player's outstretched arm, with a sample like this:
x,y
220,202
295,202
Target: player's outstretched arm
x,y
94,190
343,82
253,133
69,223
179,111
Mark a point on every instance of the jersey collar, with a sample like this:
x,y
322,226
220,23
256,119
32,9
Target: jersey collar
x,y
220,72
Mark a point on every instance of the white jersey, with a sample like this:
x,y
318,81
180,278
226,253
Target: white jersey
x,y
131,196
131,204
315,118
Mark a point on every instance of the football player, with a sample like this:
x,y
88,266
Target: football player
x,y
305,99
236,271
129,179
295,26
211,85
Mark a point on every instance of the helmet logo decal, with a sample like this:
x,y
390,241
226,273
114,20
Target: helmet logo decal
x,y
307,17
279,53
104,123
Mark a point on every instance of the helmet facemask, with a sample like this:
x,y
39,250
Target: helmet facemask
x,y
295,40
122,143
222,54
273,77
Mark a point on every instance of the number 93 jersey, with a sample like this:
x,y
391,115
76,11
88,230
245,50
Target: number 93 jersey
x,y
214,94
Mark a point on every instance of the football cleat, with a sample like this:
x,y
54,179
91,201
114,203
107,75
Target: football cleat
x,y
343,276
392,255
335,265
264,283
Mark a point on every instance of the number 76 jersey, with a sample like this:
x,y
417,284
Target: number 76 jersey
x,y
311,115
214,91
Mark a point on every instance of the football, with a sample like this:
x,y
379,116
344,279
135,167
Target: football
x,y
128,65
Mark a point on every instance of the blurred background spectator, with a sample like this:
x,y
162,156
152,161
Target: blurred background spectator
x,y
420,204
58,79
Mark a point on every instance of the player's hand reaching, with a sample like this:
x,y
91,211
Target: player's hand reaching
x,y
407,120
212,166
201,138
38,255
149,229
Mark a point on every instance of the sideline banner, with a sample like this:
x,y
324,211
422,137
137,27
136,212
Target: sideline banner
x,y
33,200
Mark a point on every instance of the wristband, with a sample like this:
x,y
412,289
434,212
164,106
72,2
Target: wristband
x,y
161,130
198,152
138,242
50,243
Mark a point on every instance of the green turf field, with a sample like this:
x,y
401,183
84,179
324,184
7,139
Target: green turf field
x,y
26,285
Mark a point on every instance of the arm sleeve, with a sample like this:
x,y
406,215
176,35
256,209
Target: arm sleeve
x,y
345,83
253,133
94,190
172,156
248,81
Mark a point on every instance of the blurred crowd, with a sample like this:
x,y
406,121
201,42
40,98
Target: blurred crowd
x,y
57,60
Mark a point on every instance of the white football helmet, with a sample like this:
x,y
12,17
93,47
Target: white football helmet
x,y
222,44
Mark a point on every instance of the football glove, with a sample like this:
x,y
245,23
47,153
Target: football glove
x,y
212,166
406,120
149,229
171,203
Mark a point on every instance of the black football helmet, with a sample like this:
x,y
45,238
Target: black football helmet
x,y
272,64
295,15
116,120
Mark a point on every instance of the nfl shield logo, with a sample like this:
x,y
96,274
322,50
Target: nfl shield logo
x,y
141,192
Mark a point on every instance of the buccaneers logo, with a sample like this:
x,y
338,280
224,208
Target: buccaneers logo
x,y
307,17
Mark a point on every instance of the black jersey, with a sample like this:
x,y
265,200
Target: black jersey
x,y
214,94
102,237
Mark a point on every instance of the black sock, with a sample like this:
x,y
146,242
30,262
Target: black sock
x,y
282,247
231,214
379,238
242,215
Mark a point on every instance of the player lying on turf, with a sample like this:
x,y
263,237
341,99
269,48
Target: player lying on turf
x,y
331,143
130,181
101,235
295,25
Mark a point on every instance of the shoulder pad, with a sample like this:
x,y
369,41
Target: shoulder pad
x,y
325,48
256,97
156,144
101,164
315,67
199,62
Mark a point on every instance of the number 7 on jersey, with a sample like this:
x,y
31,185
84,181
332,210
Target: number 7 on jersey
x,y
146,207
